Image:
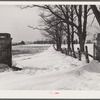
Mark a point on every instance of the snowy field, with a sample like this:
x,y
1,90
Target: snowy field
x,y
51,70
26,50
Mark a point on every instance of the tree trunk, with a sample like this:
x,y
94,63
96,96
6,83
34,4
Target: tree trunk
x,y
81,43
85,22
72,40
68,37
58,43
72,36
58,46
81,40
68,31
96,13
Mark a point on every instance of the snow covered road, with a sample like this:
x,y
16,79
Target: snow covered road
x,y
51,70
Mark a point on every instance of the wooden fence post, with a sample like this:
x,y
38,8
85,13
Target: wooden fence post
x,y
74,55
66,52
70,52
79,54
87,57
94,52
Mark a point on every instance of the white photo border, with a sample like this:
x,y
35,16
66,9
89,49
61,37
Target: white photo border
x,y
50,94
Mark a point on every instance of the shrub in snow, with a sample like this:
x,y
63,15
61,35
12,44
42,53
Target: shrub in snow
x,y
3,67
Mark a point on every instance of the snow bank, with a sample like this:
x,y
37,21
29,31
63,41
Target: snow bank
x,y
51,70
93,66
49,59
4,67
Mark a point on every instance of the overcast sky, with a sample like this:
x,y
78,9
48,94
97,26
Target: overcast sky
x,y
14,20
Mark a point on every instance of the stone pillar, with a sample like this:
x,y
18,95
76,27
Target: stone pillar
x,y
98,47
5,49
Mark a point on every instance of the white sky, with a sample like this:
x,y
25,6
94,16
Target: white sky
x,y
14,20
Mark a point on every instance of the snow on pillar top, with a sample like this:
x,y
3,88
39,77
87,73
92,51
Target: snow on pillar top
x,y
5,36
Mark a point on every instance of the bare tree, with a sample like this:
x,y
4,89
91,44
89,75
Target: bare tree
x,y
62,12
96,13
66,14
82,14
53,28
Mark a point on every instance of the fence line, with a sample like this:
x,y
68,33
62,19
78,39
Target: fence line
x,y
78,54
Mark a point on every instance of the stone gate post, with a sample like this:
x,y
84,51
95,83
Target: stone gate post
x,y
98,47
5,49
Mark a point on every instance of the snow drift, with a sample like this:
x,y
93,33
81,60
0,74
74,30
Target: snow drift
x,y
51,70
4,67
93,66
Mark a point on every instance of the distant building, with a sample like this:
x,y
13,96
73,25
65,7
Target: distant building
x,y
22,42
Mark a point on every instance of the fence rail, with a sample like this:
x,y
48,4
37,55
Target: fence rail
x,y
78,53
